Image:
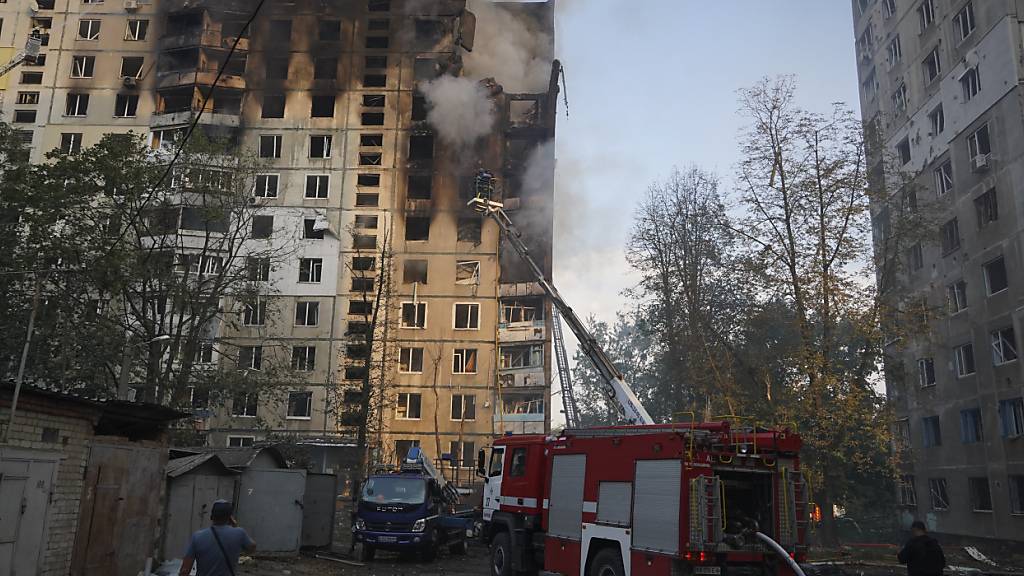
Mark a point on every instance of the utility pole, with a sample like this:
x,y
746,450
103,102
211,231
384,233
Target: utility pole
x,y
24,355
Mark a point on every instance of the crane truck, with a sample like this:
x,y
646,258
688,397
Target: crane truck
x,y
642,499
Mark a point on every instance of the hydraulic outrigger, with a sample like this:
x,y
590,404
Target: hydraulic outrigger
x,y
618,391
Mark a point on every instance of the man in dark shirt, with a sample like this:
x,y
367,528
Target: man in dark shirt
x,y
216,548
922,553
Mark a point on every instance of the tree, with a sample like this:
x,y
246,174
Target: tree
x,y
803,184
683,248
147,274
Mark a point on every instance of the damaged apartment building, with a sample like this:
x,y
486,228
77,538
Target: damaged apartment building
x,y
941,90
328,94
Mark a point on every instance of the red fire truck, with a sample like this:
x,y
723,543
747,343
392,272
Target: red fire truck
x,y
644,499
684,499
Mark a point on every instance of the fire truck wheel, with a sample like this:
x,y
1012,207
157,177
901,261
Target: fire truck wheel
x,y
501,564
366,553
607,562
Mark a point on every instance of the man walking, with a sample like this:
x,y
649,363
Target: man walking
x,y
216,548
922,553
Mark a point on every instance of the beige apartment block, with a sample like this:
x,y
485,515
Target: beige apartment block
x,y
326,94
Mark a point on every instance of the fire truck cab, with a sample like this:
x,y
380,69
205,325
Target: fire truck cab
x,y
684,499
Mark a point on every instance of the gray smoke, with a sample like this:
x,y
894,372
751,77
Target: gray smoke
x,y
459,109
510,48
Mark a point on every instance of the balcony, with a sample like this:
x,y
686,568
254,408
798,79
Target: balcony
x,y
185,117
201,37
175,78
521,331
522,378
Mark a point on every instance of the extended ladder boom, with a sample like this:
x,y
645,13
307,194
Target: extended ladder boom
x,y
31,52
618,390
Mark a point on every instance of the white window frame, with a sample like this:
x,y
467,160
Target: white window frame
x,y
315,270
907,492
460,359
963,22
1011,412
970,83
932,60
455,315
309,405
462,408
323,187
328,142
205,353
406,364
895,52
956,294
944,178
276,139
255,361
304,365
312,308
132,35
924,365
255,315
926,14
118,113
241,439
899,98
471,266
974,142
83,66
78,110
960,360
988,283
1004,347
937,120
93,32
266,192
245,413
933,484
402,409
417,304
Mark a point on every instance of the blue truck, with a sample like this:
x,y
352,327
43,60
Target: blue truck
x,y
411,511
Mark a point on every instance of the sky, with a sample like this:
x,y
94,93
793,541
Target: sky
x,y
652,84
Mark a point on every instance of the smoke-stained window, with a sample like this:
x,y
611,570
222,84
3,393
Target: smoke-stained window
x,y
329,30
322,106
273,105
325,68
277,68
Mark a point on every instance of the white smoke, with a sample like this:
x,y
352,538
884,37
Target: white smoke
x,y
458,109
509,48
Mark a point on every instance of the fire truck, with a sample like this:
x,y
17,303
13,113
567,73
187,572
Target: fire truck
x,y
682,499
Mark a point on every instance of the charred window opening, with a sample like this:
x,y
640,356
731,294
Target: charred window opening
x,y
355,372
367,200
236,65
373,118
417,228
375,80
227,102
469,230
28,116
366,221
371,140
325,68
329,30
747,496
370,180
522,310
371,158
322,106
359,307
203,219
426,69
362,284
358,352
419,108
280,31
375,62
179,100
421,147
378,6
415,272
273,106
262,226
467,272
356,329
419,186
183,23
277,68
177,60
428,31
234,29
309,230
377,42
364,263
374,100
364,241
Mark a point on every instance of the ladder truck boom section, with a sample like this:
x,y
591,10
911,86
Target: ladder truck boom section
x,y
624,397
28,54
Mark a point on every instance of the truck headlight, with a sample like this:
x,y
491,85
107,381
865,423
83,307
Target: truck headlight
x,y
419,525
360,525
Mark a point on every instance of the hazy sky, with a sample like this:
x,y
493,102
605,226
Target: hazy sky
x,y
651,85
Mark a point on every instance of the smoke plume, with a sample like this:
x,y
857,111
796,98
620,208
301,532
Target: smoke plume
x,y
458,108
510,48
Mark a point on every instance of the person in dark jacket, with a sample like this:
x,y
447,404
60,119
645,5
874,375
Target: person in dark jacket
x,y
922,553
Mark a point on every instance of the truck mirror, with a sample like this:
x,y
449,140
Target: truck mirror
x,y
480,459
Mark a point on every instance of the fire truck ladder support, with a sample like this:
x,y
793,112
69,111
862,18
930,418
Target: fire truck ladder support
x,y
572,419
618,391
30,53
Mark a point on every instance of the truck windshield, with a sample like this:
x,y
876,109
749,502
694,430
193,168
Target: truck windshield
x,y
395,490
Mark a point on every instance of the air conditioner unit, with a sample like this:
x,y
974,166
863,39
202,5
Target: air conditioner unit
x,y
129,81
131,5
981,161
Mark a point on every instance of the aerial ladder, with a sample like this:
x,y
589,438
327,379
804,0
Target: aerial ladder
x,y
572,418
621,395
28,54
